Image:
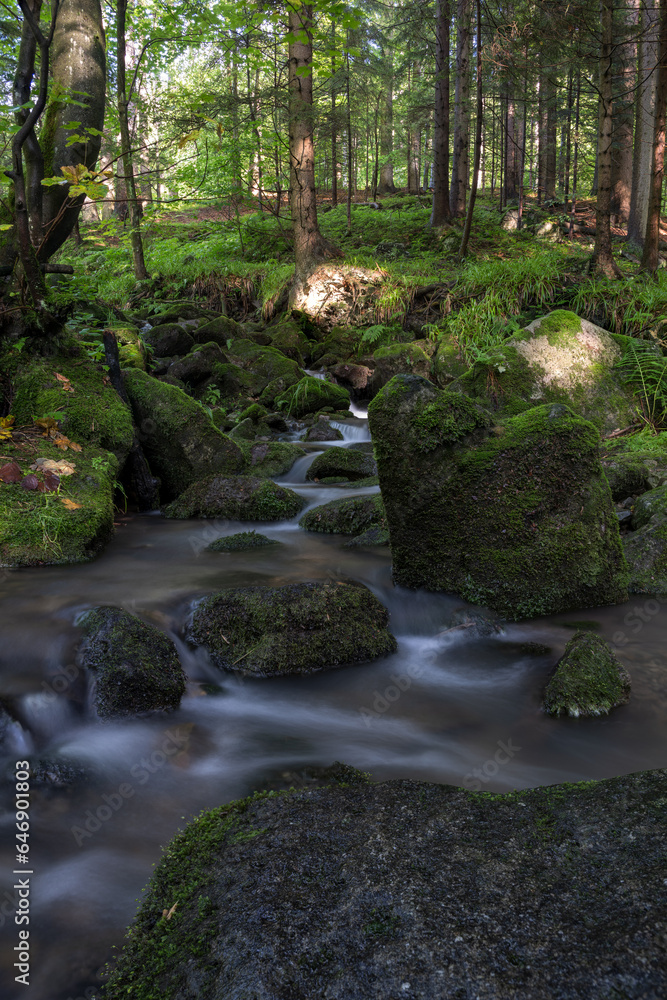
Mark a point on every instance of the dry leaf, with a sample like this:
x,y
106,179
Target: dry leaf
x,y
30,483
168,914
11,473
61,468
67,387
70,504
6,424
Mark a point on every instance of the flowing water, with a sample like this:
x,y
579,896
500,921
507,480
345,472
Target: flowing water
x,y
450,706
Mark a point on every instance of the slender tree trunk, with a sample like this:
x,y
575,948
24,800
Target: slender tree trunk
x,y
575,164
478,139
647,60
624,65
460,169
350,172
652,237
441,212
386,184
334,151
602,261
140,271
568,141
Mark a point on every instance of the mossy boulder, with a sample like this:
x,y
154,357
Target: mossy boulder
x,y
238,498
559,358
219,331
196,369
264,364
448,363
589,679
376,535
269,459
297,629
636,464
236,386
169,339
244,430
242,541
340,344
353,376
288,338
349,463
91,411
323,431
131,348
179,312
646,553
180,440
518,518
136,666
347,516
648,504
356,890
311,394
396,359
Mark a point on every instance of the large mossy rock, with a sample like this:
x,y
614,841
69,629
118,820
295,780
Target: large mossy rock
x,y
346,463
589,679
397,359
340,344
288,338
311,394
270,458
646,553
180,440
519,518
297,629
635,465
559,358
196,369
355,891
448,363
238,498
648,504
169,339
347,516
219,331
136,666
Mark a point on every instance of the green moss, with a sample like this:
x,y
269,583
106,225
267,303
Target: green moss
x,y
589,679
270,458
310,395
264,628
347,516
241,542
646,552
345,462
559,327
239,498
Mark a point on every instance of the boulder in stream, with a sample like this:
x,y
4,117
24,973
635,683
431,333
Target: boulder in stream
x,y
311,394
410,889
646,553
179,439
296,629
238,498
242,541
136,666
589,679
347,463
518,517
347,516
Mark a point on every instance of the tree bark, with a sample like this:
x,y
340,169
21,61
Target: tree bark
x,y
441,212
478,139
386,184
624,68
650,255
140,272
647,60
602,261
461,164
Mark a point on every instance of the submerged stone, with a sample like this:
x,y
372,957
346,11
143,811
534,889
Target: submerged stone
x,y
410,889
239,498
589,679
136,665
241,541
297,629
517,518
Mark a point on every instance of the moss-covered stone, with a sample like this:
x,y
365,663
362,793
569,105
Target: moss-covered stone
x,y
297,629
396,359
375,535
340,344
196,370
92,412
347,462
242,541
179,438
347,516
311,394
288,338
589,679
323,431
269,459
169,339
265,364
136,666
519,519
239,498
635,464
646,553
541,893
219,330
244,430
448,363
648,504
559,358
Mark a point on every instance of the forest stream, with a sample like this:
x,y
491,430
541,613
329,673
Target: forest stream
x,y
443,706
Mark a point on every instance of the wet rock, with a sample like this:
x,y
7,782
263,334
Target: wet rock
x,y
396,359
339,344
352,376
169,339
136,666
377,534
347,516
632,472
245,430
474,623
646,553
559,358
320,431
270,458
241,542
648,504
349,463
297,629
198,366
411,889
589,679
516,518
311,394
178,436
239,498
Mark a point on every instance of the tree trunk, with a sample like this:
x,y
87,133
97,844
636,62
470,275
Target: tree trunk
x,y
602,261
309,245
647,60
461,165
334,151
652,237
441,212
140,271
478,139
624,63
386,185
